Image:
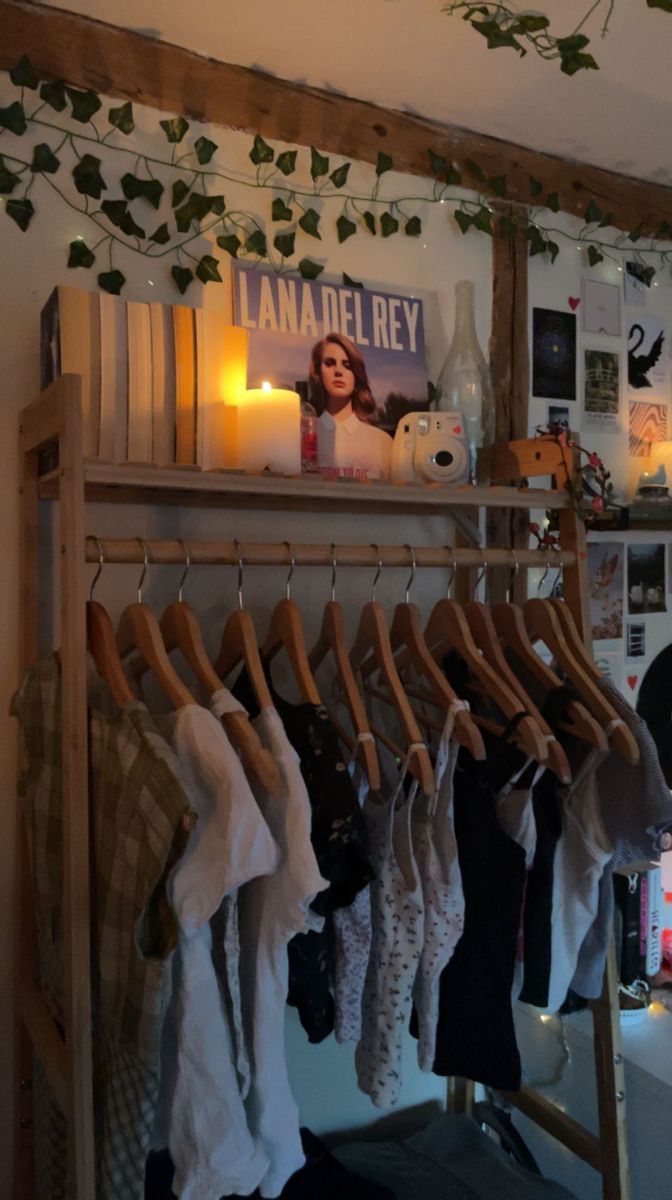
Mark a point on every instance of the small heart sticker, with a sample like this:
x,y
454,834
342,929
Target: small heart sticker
x,y
633,681
573,302
457,429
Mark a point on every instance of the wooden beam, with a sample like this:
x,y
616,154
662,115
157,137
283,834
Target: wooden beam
x,y
119,62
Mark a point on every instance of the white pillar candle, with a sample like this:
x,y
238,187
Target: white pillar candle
x,y
269,430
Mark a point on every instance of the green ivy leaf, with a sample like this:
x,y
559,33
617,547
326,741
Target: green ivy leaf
x,y
115,211
180,190
217,205
593,213
182,277
370,222
24,74
453,178
84,104
483,220
594,256
553,202
281,211
21,211
230,243
536,186
174,128
160,235
575,41
87,177
53,94
261,152
143,189
506,227
122,118
309,222
208,269
553,249
345,228
665,228
413,227
256,243
474,169
13,118
665,5
608,219
284,243
286,162
196,208
8,180
310,269
80,255
573,62
204,150
536,240
383,163
464,220
646,274
319,163
339,177
111,281
532,22
129,226
438,165
348,282
44,159
388,224
498,185
636,233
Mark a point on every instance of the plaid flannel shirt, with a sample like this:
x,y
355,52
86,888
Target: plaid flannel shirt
x,y
141,819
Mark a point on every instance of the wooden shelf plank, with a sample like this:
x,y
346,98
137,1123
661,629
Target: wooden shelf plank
x,y
137,484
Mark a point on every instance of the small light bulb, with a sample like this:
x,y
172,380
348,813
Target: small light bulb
x,y
150,282
545,1017
655,283
578,246
620,268
442,202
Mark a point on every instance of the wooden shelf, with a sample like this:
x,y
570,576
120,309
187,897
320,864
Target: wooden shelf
x,y
635,516
129,483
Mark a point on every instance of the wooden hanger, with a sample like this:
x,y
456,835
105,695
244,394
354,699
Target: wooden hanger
x,y
484,633
542,622
332,639
510,625
102,645
180,629
406,633
286,631
138,629
373,639
447,629
239,645
574,639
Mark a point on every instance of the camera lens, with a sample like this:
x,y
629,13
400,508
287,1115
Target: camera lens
x,y
443,458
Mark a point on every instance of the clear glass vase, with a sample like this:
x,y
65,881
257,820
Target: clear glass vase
x,y
464,383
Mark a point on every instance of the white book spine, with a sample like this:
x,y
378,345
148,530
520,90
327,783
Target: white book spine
x,y
139,383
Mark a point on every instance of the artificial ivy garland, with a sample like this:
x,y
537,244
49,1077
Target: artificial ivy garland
x,y
78,160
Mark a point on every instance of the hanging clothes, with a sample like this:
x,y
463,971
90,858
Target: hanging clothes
x,y
206,1128
397,912
272,909
435,851
141,817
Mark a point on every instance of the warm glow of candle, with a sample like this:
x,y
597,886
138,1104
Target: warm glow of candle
x,y
269,430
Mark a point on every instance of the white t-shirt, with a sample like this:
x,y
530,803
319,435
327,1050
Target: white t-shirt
x,y
205,1124
272,910
348,442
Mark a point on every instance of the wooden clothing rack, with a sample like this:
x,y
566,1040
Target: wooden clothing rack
x,y
55,420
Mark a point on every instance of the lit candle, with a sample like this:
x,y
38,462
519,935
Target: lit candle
x,y
269,430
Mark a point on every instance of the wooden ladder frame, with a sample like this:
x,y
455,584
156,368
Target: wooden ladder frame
x,y
66,1054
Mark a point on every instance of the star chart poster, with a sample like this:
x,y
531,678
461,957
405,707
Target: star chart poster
x,y
553,354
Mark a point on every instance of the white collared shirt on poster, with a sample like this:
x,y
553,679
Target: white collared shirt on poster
x,y
347,442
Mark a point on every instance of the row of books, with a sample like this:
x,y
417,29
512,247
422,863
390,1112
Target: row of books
x,y
150,373
639,923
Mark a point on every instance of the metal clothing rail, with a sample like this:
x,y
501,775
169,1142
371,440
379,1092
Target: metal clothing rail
x,y
270,554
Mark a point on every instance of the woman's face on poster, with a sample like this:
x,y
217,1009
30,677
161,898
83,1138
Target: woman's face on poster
x,y
338,378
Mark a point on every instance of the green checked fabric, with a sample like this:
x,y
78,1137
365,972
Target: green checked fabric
x,y
141,819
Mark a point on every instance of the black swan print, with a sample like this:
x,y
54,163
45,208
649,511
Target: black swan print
x,y
640,364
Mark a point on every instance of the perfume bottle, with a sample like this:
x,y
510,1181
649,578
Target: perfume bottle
x,y
464,384
308,429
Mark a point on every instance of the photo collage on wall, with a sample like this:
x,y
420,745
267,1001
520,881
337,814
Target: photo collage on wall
x,y
628,589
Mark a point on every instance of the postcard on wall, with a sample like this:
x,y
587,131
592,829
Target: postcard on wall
x,y
553,354
558,417
610,664
634,284
601,390
647,368
606,567
374,366
601,309
646,578
647,423
635,641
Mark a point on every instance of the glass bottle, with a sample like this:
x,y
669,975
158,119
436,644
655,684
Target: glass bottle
x,y
308,429
464,383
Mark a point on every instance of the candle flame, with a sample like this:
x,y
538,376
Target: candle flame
x,y
266,386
